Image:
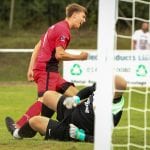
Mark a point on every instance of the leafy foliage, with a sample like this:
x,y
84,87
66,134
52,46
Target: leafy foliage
x,y
36,13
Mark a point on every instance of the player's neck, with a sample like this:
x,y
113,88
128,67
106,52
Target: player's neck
x,y
69,21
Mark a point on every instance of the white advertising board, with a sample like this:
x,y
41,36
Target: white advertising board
x,y
134,66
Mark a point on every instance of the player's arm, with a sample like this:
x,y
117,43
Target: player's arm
x,y
61,54
79,134
32,61
87,91
81,96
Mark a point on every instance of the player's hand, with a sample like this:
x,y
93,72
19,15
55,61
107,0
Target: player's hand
x,y
76,133
83,55
72,131
71,102
30,75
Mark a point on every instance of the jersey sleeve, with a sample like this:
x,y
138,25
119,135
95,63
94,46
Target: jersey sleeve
x,y
62,40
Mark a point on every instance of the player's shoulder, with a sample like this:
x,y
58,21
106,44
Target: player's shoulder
x,y
58,26
138,31
62,26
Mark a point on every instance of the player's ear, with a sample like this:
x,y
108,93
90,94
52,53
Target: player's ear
x,y
75,15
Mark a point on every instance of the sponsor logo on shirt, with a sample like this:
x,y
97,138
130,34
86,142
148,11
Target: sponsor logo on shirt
x,y
62,38
87,106
49,131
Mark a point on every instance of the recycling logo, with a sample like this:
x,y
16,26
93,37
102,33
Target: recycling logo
x,y
141,71
76,70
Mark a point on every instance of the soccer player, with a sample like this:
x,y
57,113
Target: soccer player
x,y
44,63
140,38
75,115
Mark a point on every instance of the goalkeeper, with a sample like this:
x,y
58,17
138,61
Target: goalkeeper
x,y
75,115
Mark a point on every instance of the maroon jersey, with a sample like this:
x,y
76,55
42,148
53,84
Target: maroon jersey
x,y
56,35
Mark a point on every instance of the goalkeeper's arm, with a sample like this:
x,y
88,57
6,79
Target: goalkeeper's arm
x,y
87,91
81,96
79,134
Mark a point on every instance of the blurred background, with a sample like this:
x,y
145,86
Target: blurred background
x,y
23,21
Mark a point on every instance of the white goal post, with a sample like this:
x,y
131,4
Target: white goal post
x,y
105,47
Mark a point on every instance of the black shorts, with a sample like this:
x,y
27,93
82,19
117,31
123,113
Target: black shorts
x,y
57,130
117,117
62,112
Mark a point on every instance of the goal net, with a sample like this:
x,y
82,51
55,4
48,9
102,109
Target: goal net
x,y
133,131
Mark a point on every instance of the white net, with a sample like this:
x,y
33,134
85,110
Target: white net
x,y
129,16
133,132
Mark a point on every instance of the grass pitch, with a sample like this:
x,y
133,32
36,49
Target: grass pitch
x,y
14,101
16,97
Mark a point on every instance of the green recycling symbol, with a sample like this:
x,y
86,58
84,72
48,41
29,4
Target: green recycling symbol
x,y
141,71
76,70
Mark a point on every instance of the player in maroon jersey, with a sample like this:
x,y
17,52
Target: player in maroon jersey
x,y
47,54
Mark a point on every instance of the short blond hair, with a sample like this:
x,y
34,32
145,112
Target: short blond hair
x,y
74,7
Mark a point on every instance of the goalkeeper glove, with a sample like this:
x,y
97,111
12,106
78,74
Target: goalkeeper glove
x,y
76,133
71,102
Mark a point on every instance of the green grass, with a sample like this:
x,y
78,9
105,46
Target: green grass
x,y
19,38
123,44
83,38
16,97
137,119
14,66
